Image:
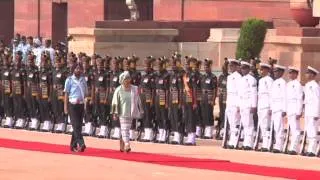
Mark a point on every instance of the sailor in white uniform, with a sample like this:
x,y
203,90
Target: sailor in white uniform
x,y
294,103
312,110
278,106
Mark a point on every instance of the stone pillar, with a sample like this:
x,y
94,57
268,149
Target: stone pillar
x,y
6,20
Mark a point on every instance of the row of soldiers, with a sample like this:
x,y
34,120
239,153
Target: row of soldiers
x,y
274,100
178,102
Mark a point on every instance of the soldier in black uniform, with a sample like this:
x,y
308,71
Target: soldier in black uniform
x,y
7,91
89,117
59,76
147,94
209,90
32,92
116,71
45,91
135,80
190,101
198,76
18,75
161,100
176,99
222,93
101,97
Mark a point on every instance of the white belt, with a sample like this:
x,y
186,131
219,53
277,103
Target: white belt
x,y
75,101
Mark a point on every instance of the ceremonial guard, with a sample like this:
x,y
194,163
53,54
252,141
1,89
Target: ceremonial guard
x,y
209,90
232,104
116,71
7,91
247,91
190,116
312,110
59,76
89,116
45,91
222,93
101,96
278,107
147,88
161,100
200,124
294,105
32,92
18,75
176,100
264,111
135,80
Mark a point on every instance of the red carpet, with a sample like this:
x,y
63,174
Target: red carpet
x,y
208,164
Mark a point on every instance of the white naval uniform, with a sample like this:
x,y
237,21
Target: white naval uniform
x,y
232,112
247,91
278,106
312,111
294,103
264,97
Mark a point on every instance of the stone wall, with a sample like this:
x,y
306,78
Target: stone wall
x,y
221,9
6,20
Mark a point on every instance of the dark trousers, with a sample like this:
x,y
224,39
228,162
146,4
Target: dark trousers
x,y
44,108
190,118
221,114
88,114
8,105
207,114
148,116
58,110
175,117
103,113
18,106
76,112
162,117
33,106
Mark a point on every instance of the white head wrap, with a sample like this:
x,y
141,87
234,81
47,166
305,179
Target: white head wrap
x,y
124,76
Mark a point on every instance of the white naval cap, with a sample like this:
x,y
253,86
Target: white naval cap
x,y
291,68
234,61
37,41
265,65
244,63
277,66
313,70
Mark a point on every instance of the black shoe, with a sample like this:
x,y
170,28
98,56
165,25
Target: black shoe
x,y
247,148
310,154
292,153
174,143
82,148
205,137
189,144
276,151
128,150
74,149
264,150
230,147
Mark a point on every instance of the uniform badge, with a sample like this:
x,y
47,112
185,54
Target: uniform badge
x,y
100,78
58,75
174,81
17,74
31,75
161,81
208,81
145,80
115,79
6,73
44,78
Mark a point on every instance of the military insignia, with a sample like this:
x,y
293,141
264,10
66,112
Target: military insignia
x,y
100,78
44,78
58,75
161,81
115,79
6,73
31,75
145,80
208,81
17,74
174,81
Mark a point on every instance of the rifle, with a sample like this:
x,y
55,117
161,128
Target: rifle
x,y
286,142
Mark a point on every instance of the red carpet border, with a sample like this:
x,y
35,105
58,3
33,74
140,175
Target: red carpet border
x,y
166,160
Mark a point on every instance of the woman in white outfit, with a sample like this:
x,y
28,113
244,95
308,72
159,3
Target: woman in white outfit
x,y
126,105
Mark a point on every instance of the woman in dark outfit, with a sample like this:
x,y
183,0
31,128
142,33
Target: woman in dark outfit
x,y
75,93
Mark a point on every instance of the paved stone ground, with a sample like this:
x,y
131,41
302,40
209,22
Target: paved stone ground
x,y
21,164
